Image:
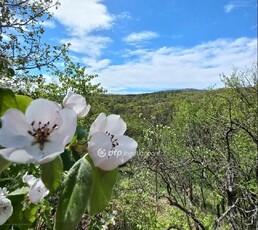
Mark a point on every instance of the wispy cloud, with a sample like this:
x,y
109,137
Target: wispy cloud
x,y
88,44
48,24
236,4
229,7
96,65
173,67
123,15
135,38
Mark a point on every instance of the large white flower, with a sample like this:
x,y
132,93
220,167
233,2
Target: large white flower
x,y
77,103
6,208
108,147
37,136
37,188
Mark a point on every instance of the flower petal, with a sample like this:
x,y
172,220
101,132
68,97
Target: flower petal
x,y
28,179
84,112
37,191
127,146
99,147
115,125
67,96
6,209
20,156
14,131
3,192
77,103
59,138
50,151
67,130
99,124
43,111
50,157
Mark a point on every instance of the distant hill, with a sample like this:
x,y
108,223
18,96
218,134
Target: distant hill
x,y
141,109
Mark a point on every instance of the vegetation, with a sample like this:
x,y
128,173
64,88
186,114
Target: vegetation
x,y
196,166
197,160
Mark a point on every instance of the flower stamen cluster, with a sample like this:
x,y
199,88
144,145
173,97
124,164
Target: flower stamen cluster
x,y
42,133
114,142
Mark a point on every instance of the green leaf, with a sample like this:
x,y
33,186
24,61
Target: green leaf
x,y
7,100
51,173
74,197
17,198
103,183
68,159
80,132
4,164
18,192
16,217
23,102
30,213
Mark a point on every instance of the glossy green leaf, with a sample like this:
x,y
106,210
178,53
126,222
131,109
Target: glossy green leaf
x,y
74,197
4,164
30,213
51,173
23,102
7,100
103,183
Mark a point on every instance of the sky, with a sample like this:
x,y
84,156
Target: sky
x,y
140,46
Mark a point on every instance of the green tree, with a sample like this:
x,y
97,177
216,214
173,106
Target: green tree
x,y
25,57
21,31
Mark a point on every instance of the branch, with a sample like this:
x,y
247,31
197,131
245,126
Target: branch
x,y
247,131
217,222
189,213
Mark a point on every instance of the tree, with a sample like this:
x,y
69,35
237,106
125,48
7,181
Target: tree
x,y
23,51
21,30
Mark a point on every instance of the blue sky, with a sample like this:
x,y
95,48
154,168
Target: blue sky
x,y
149,45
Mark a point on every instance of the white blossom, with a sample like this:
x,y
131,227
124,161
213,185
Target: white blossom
x,y
6,208
114,212
104,227
77,103
108,147
39,135
37,188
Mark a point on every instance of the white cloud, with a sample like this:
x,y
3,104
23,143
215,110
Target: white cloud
x,y
229,7
83,16
123,15
48,24
172,67
236,4
80,19
5,37
95,65
88,44
135,38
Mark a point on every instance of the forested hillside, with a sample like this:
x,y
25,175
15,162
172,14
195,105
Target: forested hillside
x,y
197,162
